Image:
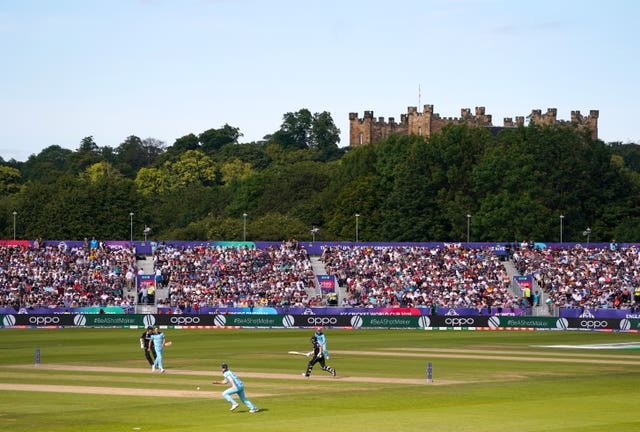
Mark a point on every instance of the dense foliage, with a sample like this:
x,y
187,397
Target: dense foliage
x,y
461,183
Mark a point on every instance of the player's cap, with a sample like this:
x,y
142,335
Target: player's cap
x,y
149,328
319,331
224,366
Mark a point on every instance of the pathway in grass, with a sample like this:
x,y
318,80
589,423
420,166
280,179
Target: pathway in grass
x,y
78,368
515,355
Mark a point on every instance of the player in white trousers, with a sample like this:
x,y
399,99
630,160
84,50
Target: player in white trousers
x,y
237,387
157,341
322,340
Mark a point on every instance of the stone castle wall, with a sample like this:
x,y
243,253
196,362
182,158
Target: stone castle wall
x,y
369,130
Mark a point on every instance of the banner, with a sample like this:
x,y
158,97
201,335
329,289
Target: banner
x,y
327,283
598,313
351,311
495,311
385,321
410,322
523,322
524,282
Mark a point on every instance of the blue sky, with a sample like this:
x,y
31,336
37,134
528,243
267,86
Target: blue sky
x,y
164,69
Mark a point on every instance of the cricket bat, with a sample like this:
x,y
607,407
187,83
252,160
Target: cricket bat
x,y
301,353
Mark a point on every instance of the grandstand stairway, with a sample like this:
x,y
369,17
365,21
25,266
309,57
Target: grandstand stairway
x,y
145,263
542,310
318,269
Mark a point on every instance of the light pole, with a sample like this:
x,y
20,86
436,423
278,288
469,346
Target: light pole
x,y
314,231
561,219
357,216
131,227
244,227
587,233
468,226
14,224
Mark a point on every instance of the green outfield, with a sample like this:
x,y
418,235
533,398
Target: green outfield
x,y
98,380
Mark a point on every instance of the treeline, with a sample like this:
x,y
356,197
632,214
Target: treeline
x,y
462,183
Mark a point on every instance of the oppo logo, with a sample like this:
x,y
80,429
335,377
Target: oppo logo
x,y
184,320
459,321
594,324
322,320
44,320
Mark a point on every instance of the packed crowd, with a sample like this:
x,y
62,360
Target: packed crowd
x,y
217,276
451,276
61,277
584,277
57,276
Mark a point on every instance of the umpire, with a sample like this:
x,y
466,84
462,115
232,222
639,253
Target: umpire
x,y
145,340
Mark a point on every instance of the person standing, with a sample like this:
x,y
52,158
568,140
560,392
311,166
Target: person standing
x,y
318,357
536,298
322,340
129,277
237,387
157,342
527,296
145,340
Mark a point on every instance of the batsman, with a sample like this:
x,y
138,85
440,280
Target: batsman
x,y
318,357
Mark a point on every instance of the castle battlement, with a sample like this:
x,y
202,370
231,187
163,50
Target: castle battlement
x,y
368,130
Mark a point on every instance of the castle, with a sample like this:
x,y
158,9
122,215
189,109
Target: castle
x,y
368,130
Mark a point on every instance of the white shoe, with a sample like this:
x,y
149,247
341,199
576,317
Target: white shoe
x,y
153,368
254,409
233,407
161,370
305,375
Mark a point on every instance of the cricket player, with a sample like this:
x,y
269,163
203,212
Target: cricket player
x,y
322,340
318,357
145,340
157,342
237,387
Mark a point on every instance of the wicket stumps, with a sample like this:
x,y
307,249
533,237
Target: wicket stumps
x,y
429,373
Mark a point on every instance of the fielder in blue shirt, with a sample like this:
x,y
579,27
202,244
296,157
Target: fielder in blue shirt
x,y
157,342
322,340
237,387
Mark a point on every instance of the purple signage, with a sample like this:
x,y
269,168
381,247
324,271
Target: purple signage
x,y
327,283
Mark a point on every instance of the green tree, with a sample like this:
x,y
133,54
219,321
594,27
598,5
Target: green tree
x,y
47,166
295,190
235,169
88,145
192,168
253,154
100,171
88,153
242,195
185,143
135,153
361,196
302,130
180,207
152,181
325,136
275,226
180,146
213,140
295,131
9,180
